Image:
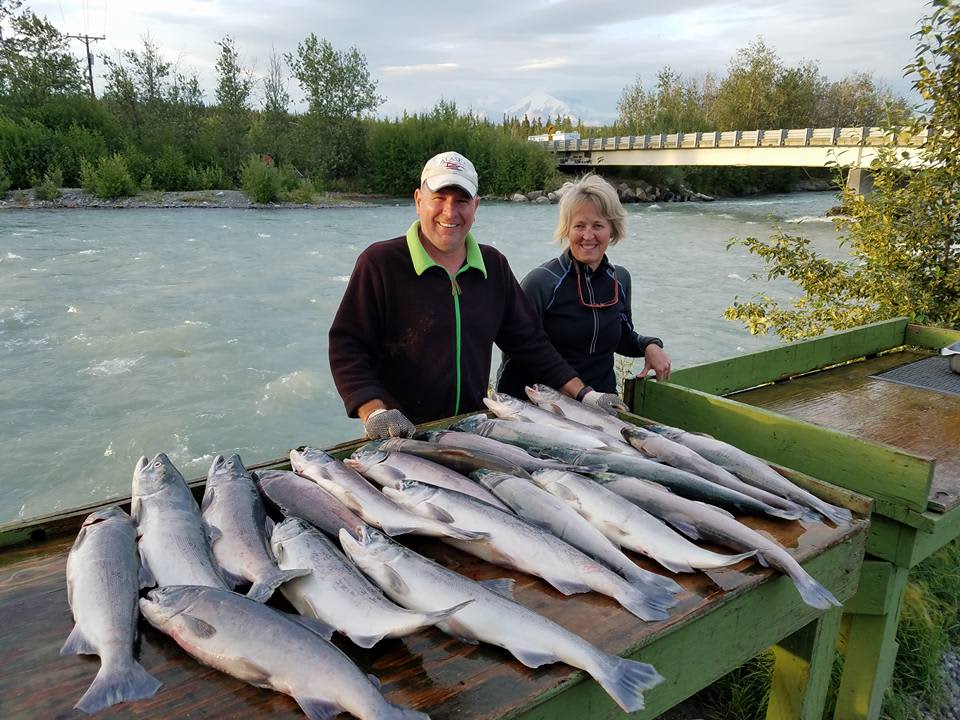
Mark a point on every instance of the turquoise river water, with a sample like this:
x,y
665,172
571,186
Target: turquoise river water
x,y
201,331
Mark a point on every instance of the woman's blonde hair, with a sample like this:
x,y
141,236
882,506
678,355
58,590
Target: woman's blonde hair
x,y
594,189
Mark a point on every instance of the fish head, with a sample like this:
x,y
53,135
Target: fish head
x,y
470,423
163,604
285,531
113,512
503,405
365,458
410,493
369,548
151,476
540,394
301,460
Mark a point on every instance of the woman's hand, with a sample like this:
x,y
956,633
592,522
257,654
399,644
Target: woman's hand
x,y
654,358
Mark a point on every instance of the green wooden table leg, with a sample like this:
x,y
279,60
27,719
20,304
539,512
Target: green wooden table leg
x,y
870,639
801,671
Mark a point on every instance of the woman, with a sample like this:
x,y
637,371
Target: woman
x,y
582,299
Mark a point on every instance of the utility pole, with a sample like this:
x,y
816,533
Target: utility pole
x,y
86,41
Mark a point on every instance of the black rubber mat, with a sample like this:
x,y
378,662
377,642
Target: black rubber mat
x,y
931,373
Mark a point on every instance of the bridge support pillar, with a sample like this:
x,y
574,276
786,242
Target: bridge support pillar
x,y
860,180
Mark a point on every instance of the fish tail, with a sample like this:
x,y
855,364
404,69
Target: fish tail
x,y
650,582
263,588
625,680
645,607
837,515
733,559
115,684
783,513
813,593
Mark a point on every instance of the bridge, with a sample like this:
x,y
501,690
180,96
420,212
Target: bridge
x,y
854,148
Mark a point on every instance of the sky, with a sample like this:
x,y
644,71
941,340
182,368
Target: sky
x,y
489,56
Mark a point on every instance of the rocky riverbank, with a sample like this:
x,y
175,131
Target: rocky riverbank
x,y
76,198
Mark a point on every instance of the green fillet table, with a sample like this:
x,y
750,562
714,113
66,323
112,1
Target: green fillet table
x,y
875,410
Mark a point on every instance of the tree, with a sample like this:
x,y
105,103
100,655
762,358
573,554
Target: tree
x,y
35,60
676,104
336,83
746,98
904,237
231,121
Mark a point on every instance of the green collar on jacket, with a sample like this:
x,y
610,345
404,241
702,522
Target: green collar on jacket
x,y
422,261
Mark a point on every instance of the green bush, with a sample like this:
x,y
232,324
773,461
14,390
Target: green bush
x,y
302,194
49,188
71,145
171,171
146,183
4,179
25,149
260,181
109,179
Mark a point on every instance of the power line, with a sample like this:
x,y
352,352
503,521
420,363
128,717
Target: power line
x,y
86,41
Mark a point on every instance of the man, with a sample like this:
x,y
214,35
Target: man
x,y
413,336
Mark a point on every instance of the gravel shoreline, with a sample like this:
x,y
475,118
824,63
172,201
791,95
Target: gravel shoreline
x,y
76,198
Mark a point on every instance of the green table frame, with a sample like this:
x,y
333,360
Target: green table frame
x,y
902,531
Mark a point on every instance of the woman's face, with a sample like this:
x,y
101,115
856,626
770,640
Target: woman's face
x,y
589,234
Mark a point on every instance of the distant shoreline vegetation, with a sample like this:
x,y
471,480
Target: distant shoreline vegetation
x,y
152,130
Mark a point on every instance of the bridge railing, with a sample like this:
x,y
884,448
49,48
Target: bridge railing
x,y
797,137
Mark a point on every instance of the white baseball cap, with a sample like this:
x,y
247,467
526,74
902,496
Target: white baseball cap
x,y
450,168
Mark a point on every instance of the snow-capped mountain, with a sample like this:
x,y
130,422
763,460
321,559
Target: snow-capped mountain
x,y
540,105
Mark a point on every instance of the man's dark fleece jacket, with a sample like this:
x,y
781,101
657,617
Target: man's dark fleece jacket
x,y
422,342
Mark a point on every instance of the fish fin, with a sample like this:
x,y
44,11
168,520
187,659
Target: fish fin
x,y
268,525
646,607
263,588
458,534
810,516
610,528
213,533
814,594
351,501
686,527
563,492
145,577
392,530
312,624
762,559
673,565
248,671
113,685
717,509
567,587
317,708
135,509
396,583
77,644
208,497
457,629
144,565
231,578
199,627
374,680
625,680
501,586
837,515
432,618
784,514
365,641
533,658
434,511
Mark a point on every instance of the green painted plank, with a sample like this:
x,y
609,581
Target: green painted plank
x,y
738,373
738,629
802,667
870,652
876,591
946,529
871,469
891,540
931,337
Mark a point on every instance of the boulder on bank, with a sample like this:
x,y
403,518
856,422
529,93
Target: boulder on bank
x,y
535,195
519,198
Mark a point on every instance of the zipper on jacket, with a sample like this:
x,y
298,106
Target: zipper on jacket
x,y
456,292
596,318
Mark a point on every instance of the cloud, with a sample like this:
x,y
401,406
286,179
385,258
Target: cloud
x,y
421,68
550,64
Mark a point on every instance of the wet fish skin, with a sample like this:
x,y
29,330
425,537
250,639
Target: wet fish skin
x,y
512,453
514,543
460,459
268,649
628,526
294,495
526,435
540,508
698,520
238,523
508,407
337,593
103,580
682,482
174,545
553,401
373,507
390,468
679,456
494,617
754,471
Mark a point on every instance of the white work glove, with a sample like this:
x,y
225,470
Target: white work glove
x,y
608,402
385,423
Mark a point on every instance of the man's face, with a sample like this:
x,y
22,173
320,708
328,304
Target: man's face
x,y
446,216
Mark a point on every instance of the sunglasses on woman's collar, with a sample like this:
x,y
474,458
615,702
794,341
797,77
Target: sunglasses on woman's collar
x,y
616,290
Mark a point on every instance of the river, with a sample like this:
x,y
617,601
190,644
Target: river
x,y
200,331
